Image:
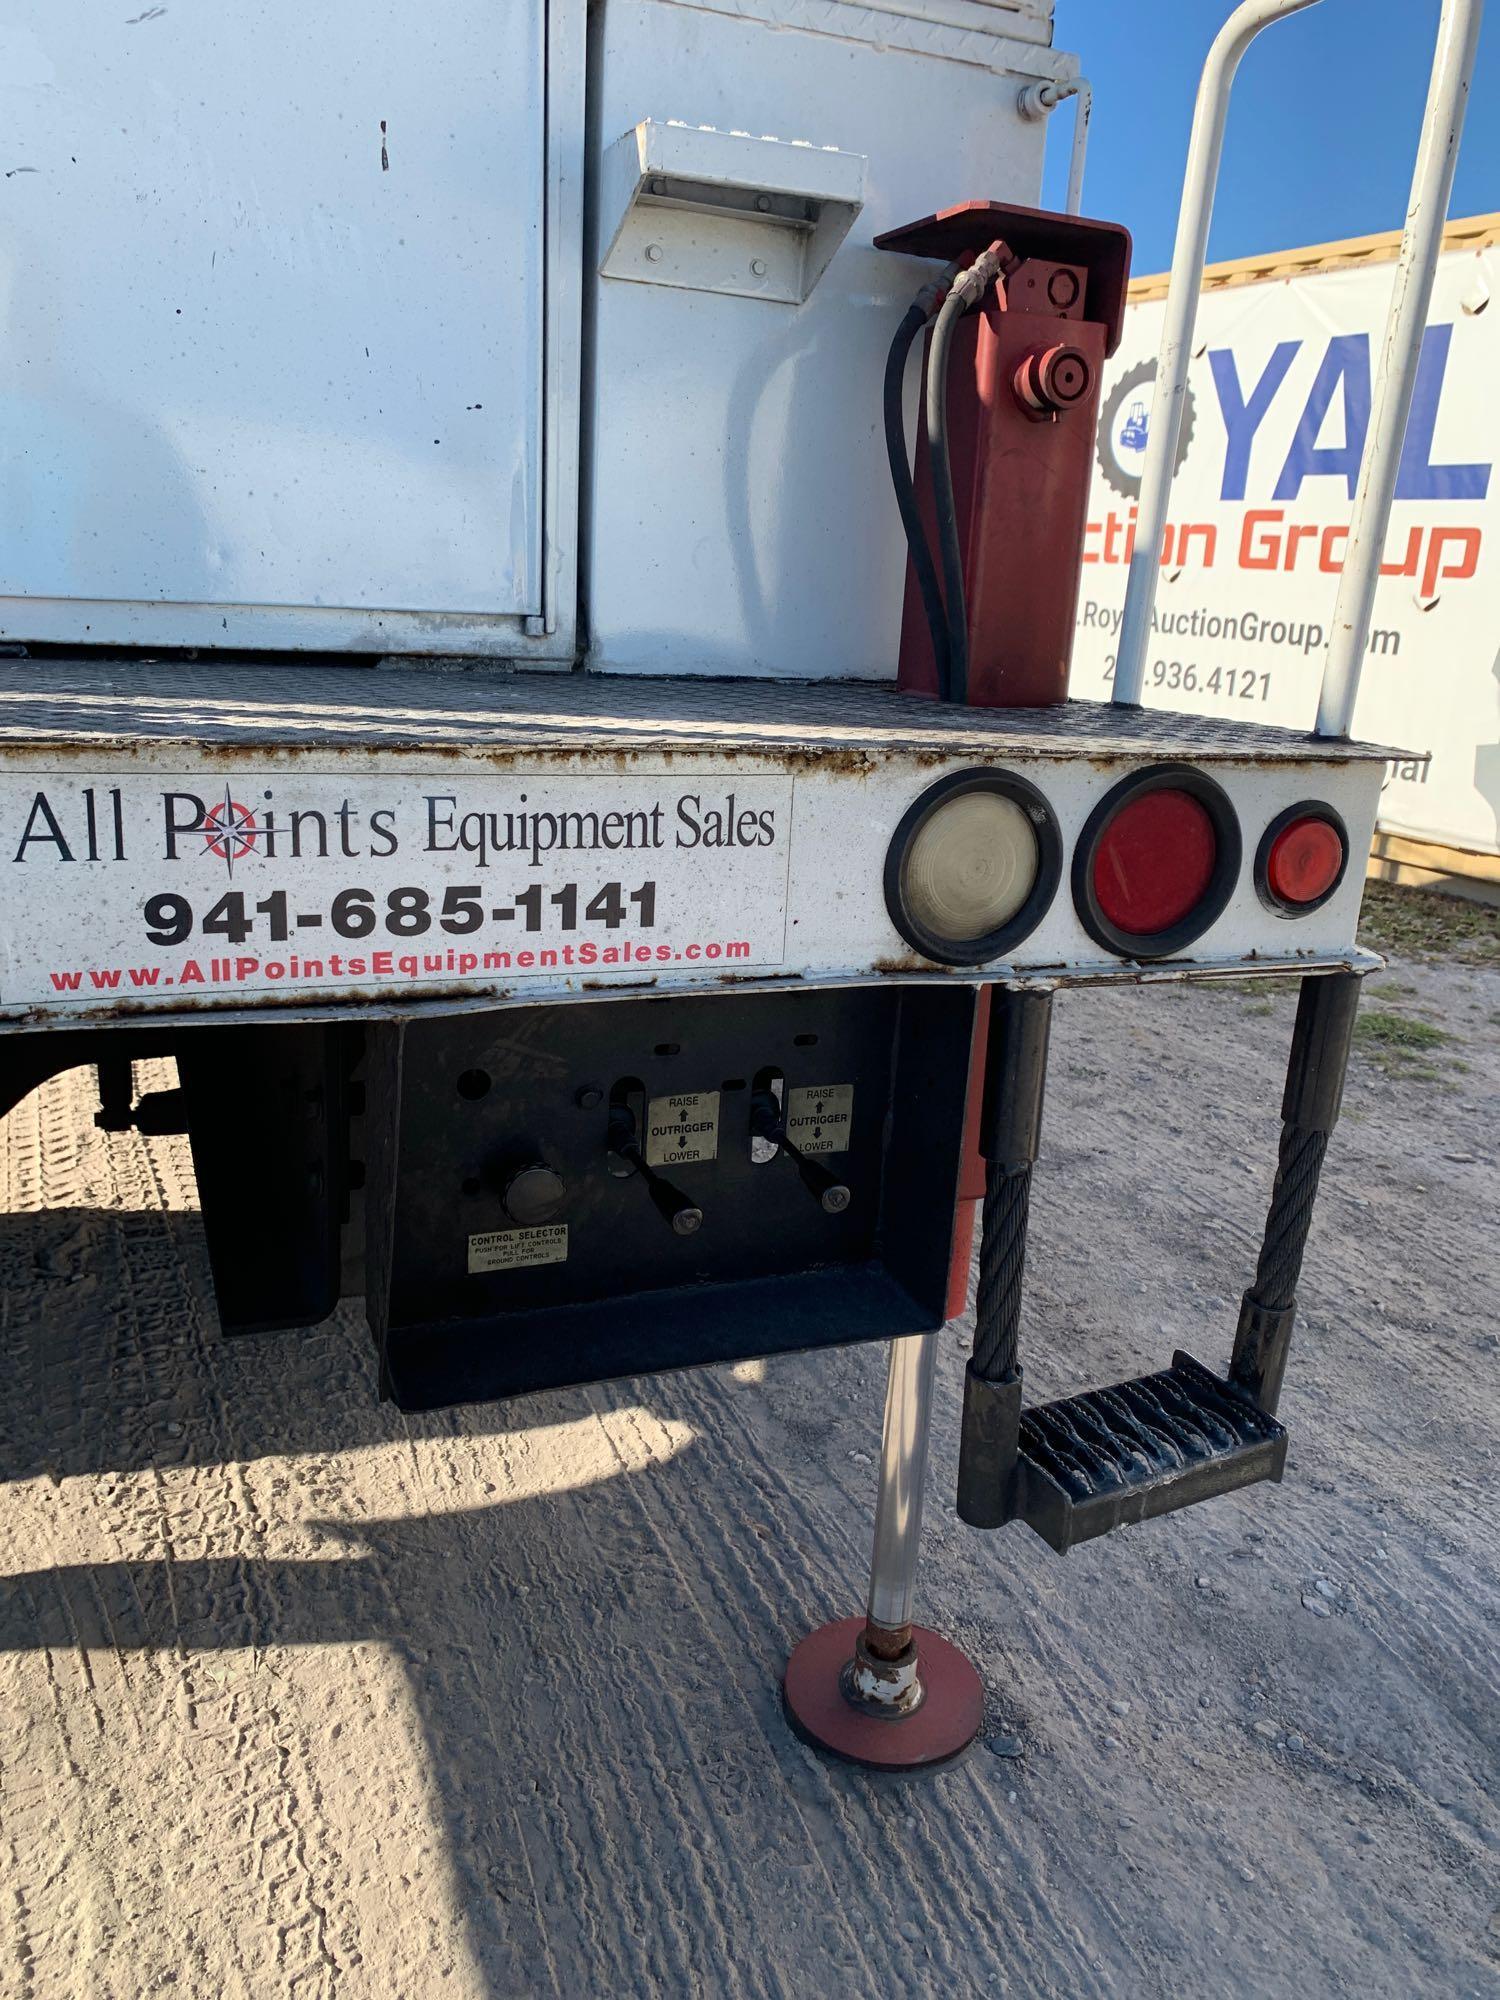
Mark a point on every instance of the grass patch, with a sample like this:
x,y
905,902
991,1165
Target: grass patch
x,y
1397,1031
1258,989
1398,1045
1415,923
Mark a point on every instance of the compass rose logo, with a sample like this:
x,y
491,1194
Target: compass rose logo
x,y
230,831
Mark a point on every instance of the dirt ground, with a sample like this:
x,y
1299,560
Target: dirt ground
x,y
299,1696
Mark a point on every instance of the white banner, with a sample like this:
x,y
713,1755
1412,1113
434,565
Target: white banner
x,y
1280,389
183,889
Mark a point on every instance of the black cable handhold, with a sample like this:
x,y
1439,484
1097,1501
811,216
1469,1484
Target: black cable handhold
x,y
1010,1132
1326,1010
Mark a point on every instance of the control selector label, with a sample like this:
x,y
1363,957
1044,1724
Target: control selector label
x,y
511,1249
818,1117
682,1128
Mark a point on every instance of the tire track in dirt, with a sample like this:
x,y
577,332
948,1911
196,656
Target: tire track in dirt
x,y
618,1725
936,1889
486,1703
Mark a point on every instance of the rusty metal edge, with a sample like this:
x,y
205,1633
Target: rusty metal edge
x,y
464,1000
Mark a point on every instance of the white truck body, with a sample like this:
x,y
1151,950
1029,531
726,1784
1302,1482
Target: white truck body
x,y
298,299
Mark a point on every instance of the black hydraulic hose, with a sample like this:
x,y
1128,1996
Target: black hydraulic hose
x,y
917,316
944,506
968,289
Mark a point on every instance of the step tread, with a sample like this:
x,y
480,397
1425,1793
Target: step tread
x,y
1129,1450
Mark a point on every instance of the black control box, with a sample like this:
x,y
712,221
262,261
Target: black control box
x,y
567,1192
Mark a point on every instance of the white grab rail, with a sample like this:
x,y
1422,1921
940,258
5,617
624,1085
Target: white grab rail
x,y
1411,295
1040,100
1200,179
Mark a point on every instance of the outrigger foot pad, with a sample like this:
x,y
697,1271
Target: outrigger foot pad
x,y
1126,1453
820,1694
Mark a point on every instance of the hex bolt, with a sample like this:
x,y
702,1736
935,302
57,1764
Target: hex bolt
x,y
589,1097
653,253
658,187
758,266
763,202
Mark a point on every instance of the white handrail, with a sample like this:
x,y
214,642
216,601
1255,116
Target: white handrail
x,y
1199,181
1411,295
1036,100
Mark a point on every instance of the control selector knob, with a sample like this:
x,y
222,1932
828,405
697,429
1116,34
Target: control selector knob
x,y
533,1195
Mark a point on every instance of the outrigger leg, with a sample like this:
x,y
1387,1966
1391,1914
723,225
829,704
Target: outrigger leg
x,y
879,1690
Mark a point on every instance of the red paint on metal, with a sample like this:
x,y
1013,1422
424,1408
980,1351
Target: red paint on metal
x,y
964,1222
1020,487
1154,862
1304,861
1100,249
945,1725
971,1168
1023,398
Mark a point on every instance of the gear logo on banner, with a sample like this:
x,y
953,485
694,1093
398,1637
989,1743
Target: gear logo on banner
x,y
1125,427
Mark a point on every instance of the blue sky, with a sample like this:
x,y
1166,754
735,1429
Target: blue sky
x,y
1323,121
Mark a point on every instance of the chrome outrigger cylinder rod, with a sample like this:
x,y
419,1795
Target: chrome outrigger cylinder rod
x,y
1437,153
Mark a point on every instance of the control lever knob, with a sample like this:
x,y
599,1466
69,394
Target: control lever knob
x,y
830,1193
679,1211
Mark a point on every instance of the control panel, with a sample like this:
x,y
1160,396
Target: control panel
x,y
576,1192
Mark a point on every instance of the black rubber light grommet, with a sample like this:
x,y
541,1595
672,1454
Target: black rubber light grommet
x,y
1005,937
1176,937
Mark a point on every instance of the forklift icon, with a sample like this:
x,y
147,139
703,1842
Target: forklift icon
x,y
1133,431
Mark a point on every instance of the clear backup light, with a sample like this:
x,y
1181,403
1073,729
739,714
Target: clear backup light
x,y
973,867
1157,862
1302,858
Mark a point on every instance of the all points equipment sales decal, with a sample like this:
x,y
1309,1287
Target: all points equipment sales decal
x,y
133,890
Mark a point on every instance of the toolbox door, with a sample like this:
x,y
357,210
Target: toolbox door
x,y
271,322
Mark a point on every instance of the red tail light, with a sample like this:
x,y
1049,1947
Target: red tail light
x,y
1302,858
1157,862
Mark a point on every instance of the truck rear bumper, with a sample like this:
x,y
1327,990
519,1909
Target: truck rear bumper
x,y
322,841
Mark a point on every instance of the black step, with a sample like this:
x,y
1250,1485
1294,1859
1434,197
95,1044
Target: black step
x,y
1110,1456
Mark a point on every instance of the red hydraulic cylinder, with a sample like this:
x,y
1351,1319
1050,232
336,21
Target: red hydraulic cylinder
x,y
1023,401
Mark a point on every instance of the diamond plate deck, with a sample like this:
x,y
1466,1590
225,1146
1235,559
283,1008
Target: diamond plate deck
x,y
348,710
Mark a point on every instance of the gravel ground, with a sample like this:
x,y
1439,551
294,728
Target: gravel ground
x,y
299,1696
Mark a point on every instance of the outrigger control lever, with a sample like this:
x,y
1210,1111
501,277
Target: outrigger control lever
x,y
678,1210
768,1122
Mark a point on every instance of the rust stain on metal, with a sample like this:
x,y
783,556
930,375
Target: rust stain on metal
x,y
910,961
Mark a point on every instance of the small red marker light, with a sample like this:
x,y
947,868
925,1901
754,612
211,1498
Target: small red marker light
x,y
1304,861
